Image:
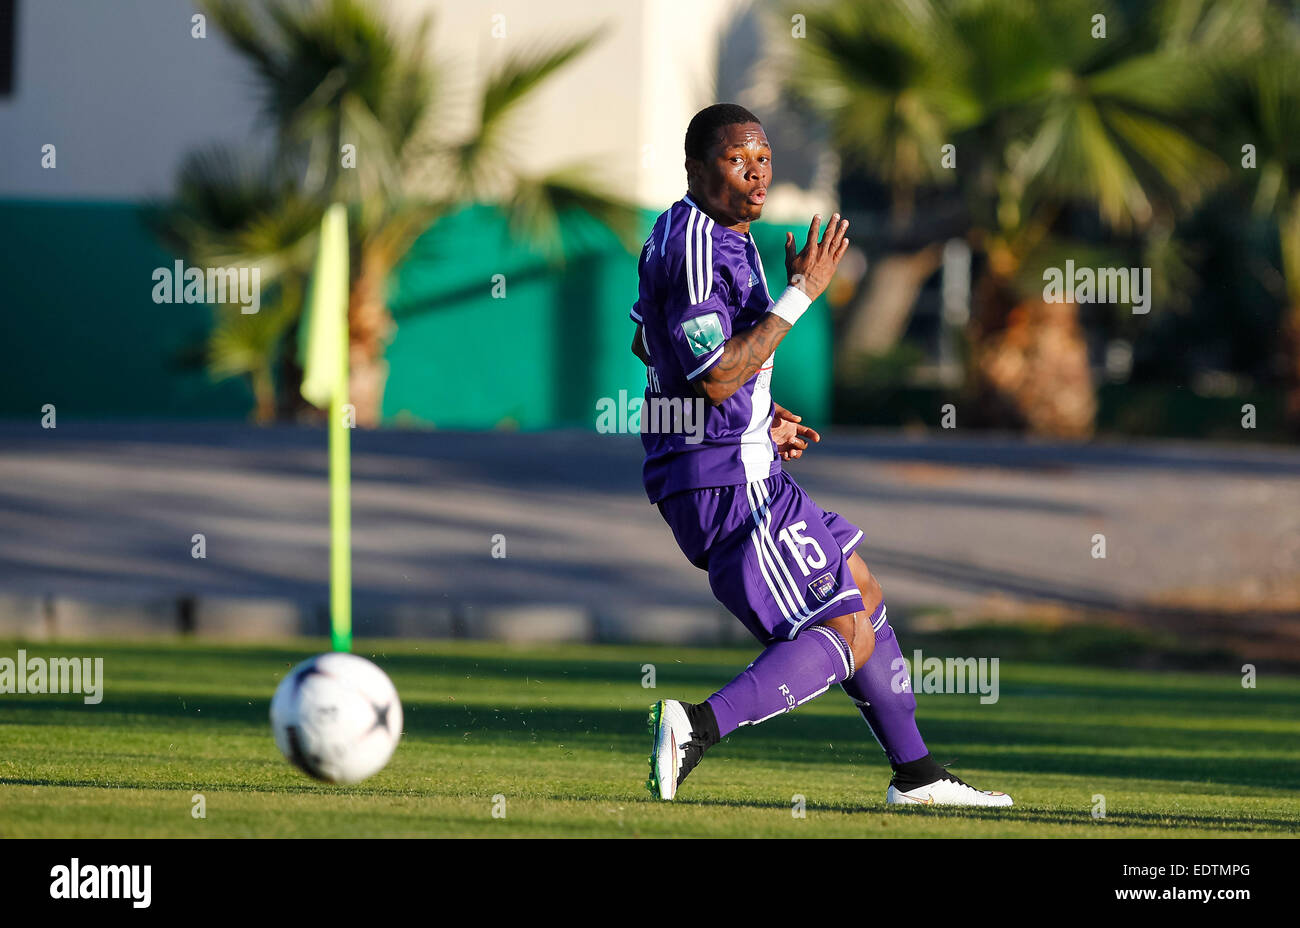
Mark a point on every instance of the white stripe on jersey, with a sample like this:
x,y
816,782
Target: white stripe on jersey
x,y
698,245
756,450
708,260
699,255
690,256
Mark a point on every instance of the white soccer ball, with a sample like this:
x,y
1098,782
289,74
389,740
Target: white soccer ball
x,y
337,717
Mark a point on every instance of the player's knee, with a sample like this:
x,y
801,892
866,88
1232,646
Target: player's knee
x,y
856,631
873,595
868,585
864,639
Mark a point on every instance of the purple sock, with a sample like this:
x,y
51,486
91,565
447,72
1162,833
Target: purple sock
x,y
785,675
891,715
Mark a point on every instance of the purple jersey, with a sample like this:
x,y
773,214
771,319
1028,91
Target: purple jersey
x,y
700,284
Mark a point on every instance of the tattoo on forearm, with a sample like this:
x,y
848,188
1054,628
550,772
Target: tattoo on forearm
x,y
745,354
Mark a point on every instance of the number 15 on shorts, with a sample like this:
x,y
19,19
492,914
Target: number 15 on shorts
x,y
798,543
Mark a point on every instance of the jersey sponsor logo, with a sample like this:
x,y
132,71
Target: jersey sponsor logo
x,y
704,333
753,278
823,586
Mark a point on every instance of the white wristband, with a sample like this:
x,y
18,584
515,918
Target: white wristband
x,y
792,304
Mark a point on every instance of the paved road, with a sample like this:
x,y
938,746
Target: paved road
x,y
954,527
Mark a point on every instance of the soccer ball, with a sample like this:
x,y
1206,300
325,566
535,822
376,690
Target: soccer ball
x,y
337,717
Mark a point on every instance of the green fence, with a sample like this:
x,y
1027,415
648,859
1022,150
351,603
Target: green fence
x,y
80,328
490,334
82,331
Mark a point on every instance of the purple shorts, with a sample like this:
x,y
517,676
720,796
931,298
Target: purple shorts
x,y
776,559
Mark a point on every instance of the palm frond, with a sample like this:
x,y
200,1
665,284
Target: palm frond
x,y
477,160
537,205
1176,164
231,210
333,72
246,344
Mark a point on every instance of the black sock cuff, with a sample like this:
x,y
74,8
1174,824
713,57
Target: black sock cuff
x,y
703,722
920,772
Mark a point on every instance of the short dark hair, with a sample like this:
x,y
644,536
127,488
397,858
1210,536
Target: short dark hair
x,y
706,123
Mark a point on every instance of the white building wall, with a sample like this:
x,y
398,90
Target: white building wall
x,y
124,92
622,108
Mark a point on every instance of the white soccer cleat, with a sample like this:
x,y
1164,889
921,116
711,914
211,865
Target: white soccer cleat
x,y
946,792
674,750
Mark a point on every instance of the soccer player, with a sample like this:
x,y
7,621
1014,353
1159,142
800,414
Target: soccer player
x,y
707,329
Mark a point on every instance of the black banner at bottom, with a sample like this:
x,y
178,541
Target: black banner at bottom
x,y
130,878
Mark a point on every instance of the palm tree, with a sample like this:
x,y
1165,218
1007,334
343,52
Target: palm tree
x,y
1257,82
1045,119
229,210
885,78
332,74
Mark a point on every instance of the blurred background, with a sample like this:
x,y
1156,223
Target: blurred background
x,y
1120,478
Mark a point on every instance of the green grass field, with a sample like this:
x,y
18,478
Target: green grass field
x,y
560,733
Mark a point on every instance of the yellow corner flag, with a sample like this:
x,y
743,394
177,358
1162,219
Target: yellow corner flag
x,y
323,347
323,352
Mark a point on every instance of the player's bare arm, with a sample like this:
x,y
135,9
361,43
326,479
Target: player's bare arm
x,y
810,270
741,358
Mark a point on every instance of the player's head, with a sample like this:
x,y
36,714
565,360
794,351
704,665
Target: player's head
x,y
728,163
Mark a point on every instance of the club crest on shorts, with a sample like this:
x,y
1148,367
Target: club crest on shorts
x,y
823,586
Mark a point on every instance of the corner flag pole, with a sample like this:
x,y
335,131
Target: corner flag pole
x,y
323,346
340,510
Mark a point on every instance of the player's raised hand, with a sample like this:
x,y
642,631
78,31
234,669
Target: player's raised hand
x,y
790,437
812,268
